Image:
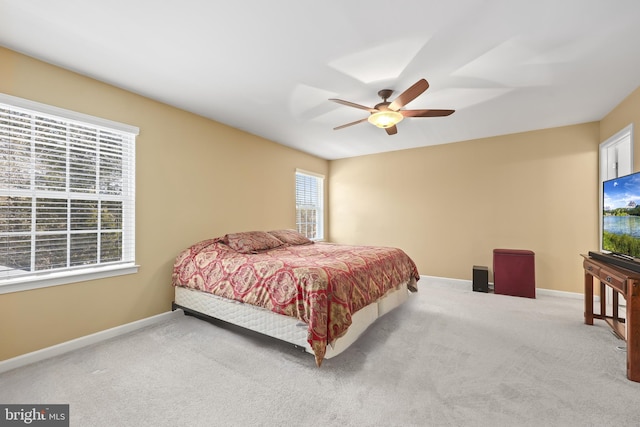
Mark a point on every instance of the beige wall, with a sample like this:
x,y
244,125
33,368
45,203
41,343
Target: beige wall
x,y
450,205
626,113
196,179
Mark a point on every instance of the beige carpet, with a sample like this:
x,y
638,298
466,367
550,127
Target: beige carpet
x,y
449,357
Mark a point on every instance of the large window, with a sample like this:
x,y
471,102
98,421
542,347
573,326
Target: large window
x,y
67,196
309,204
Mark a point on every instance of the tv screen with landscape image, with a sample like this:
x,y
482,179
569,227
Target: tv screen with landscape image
x,y
621,215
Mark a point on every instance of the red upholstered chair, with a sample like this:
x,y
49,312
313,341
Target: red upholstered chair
x,y
514,272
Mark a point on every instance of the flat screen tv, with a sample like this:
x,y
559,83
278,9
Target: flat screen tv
x,y
621,216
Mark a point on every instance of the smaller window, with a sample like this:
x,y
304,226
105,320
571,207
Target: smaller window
x,y
310,204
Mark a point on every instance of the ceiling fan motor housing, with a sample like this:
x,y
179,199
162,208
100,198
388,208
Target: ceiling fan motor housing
x,y
385,94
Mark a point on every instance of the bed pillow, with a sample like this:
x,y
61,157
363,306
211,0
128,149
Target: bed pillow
x,y
291,237
251,242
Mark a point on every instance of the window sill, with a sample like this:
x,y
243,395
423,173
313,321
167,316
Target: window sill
x,y
65,278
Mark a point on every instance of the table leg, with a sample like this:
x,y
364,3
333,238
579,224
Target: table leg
x,y
588,299
603,300
633,331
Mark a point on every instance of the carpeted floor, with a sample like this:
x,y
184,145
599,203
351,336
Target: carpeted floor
x,y
449,357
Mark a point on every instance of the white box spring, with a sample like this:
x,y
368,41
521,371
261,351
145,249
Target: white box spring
x,y
285,328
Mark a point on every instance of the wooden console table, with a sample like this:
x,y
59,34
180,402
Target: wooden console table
x,y
623,282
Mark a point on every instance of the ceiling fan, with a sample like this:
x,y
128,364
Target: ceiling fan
x,y
387,114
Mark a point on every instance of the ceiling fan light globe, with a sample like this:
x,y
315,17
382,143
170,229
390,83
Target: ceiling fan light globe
x,y
385,119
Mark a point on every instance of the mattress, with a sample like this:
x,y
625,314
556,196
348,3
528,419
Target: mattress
x,y
283,327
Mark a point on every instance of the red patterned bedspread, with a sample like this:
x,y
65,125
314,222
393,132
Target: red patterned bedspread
x,y
321,284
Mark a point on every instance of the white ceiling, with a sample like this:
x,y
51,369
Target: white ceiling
x,y
269,67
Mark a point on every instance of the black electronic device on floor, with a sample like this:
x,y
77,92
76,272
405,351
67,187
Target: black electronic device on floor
x,y
480,278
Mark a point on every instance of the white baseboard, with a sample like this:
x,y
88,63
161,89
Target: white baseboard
x,y
65,347
562,294
468,285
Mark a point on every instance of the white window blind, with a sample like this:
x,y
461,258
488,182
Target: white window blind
x,y
67,192
309,204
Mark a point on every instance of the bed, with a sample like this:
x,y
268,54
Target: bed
x,y
319,296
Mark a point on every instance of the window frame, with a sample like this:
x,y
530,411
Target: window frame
x,y
615,141
320,214
46,278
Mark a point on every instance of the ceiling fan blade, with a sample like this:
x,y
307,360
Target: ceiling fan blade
x,y
426,113
392,130
351,104
409,95
351,124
